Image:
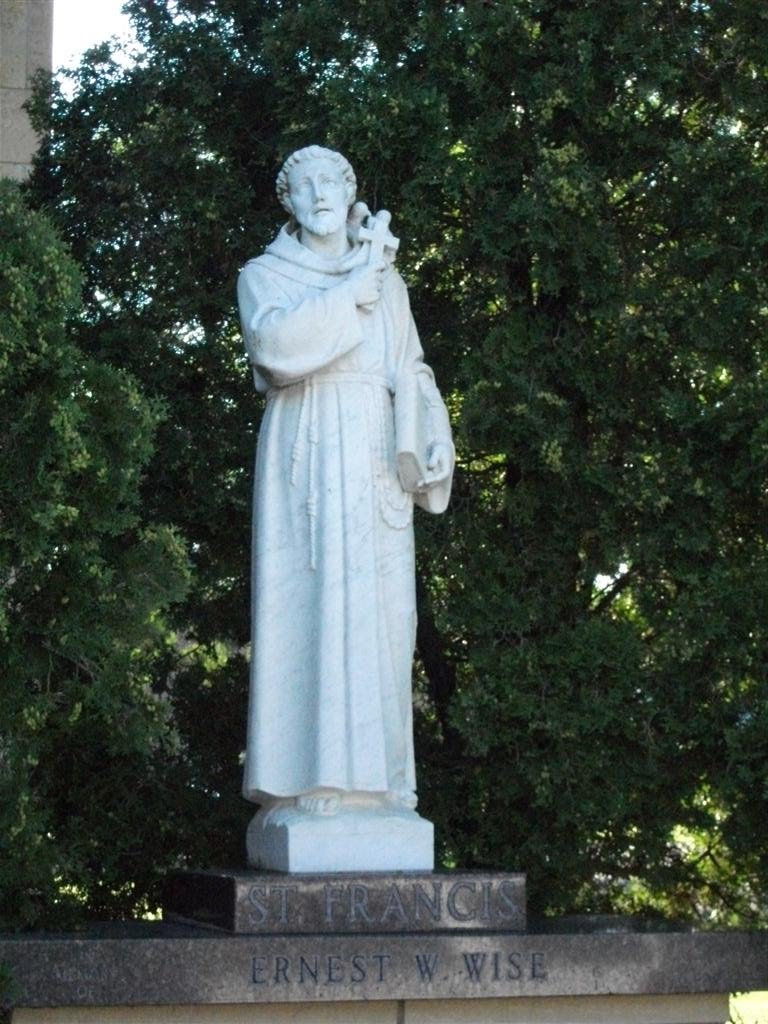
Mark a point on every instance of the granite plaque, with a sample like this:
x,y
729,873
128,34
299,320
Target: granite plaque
x,y
196,966
272,903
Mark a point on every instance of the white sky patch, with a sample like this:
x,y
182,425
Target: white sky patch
x,y
606,582
80,24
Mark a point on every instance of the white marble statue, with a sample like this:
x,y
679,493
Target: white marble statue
x,y
329,334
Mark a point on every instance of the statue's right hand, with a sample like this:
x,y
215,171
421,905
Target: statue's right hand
x,y
367,282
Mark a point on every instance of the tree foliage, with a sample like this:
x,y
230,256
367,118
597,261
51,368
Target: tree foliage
x,y
581,191
84,580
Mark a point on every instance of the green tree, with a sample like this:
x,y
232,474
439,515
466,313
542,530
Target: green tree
x,y
581,190
84,580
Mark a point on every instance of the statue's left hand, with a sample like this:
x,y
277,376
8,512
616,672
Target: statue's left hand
x,y
438,465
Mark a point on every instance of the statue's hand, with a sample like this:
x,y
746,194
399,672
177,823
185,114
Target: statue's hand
x,y
438,465
367,282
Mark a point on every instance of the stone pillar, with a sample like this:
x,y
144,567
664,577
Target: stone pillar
x,y
26,44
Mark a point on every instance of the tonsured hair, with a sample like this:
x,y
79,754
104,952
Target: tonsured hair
x,y
314,153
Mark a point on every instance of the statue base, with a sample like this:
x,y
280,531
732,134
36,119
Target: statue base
x,y
352,839
272,903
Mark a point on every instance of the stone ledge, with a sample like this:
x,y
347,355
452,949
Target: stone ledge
x,y
176,966
687,1009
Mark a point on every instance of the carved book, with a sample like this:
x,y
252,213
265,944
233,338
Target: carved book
x,y
415,433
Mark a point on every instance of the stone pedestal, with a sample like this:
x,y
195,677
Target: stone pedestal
x,y
169,973
402,948
353,839
254,903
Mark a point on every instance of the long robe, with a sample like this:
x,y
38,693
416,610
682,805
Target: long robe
x,y
333,592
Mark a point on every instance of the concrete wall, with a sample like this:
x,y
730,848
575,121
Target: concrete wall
x,y
670,1009
26,41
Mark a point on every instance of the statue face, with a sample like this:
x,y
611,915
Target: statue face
x,y
318,196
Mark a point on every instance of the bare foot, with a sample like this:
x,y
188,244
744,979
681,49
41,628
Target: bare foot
x,y
319,803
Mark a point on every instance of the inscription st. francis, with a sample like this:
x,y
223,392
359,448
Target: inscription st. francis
x,y
340,905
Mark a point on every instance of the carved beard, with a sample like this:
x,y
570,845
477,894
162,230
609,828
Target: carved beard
x,y
322,224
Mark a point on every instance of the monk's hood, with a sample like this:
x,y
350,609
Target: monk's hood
x,y
289,258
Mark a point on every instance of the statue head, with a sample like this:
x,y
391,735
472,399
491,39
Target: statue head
x,y
317,186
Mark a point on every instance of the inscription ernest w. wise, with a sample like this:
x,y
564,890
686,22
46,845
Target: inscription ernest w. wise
x,y
474,966
396,905
157,964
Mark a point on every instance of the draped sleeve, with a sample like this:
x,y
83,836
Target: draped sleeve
x,y
288,339
416,383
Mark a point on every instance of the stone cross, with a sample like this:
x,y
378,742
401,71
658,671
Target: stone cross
x,y
380,237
